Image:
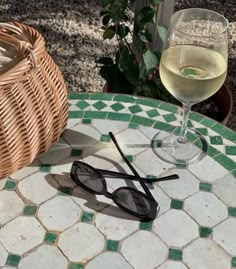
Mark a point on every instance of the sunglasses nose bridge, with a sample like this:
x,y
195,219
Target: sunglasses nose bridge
x,y
108,195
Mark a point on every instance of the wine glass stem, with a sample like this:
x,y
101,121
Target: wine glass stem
x,y
182,137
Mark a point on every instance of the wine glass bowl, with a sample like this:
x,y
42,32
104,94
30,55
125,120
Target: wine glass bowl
x,y
200,74
193,67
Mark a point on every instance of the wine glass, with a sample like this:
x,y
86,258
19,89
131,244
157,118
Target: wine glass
x,y
193,67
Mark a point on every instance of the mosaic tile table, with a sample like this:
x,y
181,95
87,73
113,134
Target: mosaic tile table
x,y
47,222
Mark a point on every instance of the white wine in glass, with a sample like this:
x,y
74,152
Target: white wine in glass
x,y
193,67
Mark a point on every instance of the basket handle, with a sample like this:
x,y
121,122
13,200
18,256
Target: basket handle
x,y
18,39
12,28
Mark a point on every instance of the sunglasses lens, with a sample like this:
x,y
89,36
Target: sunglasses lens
x,y
90,178
134,201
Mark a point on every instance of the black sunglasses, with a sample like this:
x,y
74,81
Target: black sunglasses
x,y
132,201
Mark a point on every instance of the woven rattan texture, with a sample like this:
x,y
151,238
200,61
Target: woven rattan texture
x,y
33,101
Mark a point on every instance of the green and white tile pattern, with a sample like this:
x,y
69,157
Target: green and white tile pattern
x,y
46,221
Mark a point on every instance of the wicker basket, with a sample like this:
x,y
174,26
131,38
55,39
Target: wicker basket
x,y
33,100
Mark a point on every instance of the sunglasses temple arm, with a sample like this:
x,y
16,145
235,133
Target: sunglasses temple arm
x,y
130,166
170,177
117,174
131,177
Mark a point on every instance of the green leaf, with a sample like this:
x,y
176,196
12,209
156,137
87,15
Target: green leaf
x,y
138,91
105,61
104,12
150,60
154,3
117,10
108,34
106,19
124,58
142,70
105,2
132,74
145,15
116,79
145,35
162,30
158,55
150,89
122,30
125,18
128,65
105,72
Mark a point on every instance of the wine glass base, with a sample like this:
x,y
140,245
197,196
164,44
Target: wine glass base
x,y
167,147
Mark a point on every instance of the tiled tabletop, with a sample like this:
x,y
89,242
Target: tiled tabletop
x,y
47,222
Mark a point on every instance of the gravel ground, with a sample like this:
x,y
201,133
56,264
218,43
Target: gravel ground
x,y
72,30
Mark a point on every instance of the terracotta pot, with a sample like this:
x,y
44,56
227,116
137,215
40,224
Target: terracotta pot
x,y
106,88
224,100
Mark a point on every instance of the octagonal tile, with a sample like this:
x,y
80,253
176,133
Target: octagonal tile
x,y
89,202
116,182
205,253
2,183
81,242
118,225
3,255
55,153
36,188
148,131
105,128
109,260
71,123
186,185
11,206
163,200
225,188
59,213
132,141
21,234
44,257
225,235
180,231
172,265
203,169
206,208
148,162
102,155
26,171
135,249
